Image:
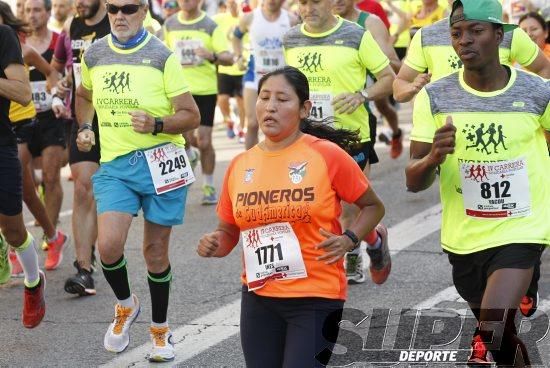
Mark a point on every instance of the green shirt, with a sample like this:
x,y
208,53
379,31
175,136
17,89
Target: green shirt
x,y
500,160
335,62
143,78
431,49
184,37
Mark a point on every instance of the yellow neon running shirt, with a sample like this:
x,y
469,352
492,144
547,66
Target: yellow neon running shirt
x,y
227,24
336,62
495,130
19,112
431,49
183,37
143,78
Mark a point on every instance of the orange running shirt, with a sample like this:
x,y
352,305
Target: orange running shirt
x,y
303,185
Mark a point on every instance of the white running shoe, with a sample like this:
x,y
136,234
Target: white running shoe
x,y
163,346
117,336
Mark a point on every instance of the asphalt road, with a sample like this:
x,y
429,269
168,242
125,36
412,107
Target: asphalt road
x,y
389,321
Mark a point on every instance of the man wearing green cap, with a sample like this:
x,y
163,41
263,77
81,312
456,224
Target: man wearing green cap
x,y
430,57
481,128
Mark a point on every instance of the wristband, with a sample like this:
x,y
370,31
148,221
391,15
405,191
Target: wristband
x,y
215,58
238,33
84,127
350,234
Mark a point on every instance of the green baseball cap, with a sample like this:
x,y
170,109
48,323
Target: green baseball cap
x,y
482,10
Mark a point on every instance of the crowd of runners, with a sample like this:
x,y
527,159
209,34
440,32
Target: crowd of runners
x,y
127,94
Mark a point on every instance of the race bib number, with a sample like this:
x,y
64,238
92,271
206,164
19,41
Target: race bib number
x,y
170,168
41,97
77,70
272,252
322,105
185,49
269,60
496,190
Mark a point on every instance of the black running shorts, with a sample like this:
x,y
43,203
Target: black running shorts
x,y
207,107
471,271
49,131
11,197
24,130
231,85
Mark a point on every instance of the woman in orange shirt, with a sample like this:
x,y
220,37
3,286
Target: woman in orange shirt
x,y
534,25
283,196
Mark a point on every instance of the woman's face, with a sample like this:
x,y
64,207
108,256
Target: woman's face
x,y
535,31
278,109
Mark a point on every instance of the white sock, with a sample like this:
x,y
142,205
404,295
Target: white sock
x,y
190,153
377,244
128,302
208,180
27,256
54,237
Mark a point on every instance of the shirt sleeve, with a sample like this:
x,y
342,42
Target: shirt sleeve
x,y
415,54
174,79
545,118
60,53
346,177
219,41
424,124
371,55
85,77
10,48
523,49
225,206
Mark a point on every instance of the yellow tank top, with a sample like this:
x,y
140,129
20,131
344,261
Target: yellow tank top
x,y
19,112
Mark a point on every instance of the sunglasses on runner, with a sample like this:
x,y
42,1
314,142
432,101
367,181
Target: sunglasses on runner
x,y
125,9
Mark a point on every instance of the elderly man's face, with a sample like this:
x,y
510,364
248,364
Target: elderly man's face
x,y
126,17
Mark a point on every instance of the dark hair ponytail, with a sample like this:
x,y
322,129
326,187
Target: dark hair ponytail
x,y
346,139
11,20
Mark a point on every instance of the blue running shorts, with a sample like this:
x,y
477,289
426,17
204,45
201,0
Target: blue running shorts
x,y
125,185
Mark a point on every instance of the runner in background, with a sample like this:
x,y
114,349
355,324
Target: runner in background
x,y
200,45
265,25
291,318
347,10
230,78
48,141
14,87
61,11
485,140
142,149
91,24
25,128
336,56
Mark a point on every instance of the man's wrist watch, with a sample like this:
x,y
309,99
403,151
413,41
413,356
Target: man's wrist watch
x,y
159,126
84,127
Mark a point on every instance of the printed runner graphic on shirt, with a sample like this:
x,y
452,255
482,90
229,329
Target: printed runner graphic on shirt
x,y
310,61
116,83
482,138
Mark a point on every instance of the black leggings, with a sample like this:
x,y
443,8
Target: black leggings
x,y
288,332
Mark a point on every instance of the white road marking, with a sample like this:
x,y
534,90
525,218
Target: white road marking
x,y
199,335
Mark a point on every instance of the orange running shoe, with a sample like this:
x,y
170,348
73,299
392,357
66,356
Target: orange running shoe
x,y
55,251
480,355
380,258
16,268
396,144
529,305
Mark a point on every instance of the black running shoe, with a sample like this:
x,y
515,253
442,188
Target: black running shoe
x,y
82,283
